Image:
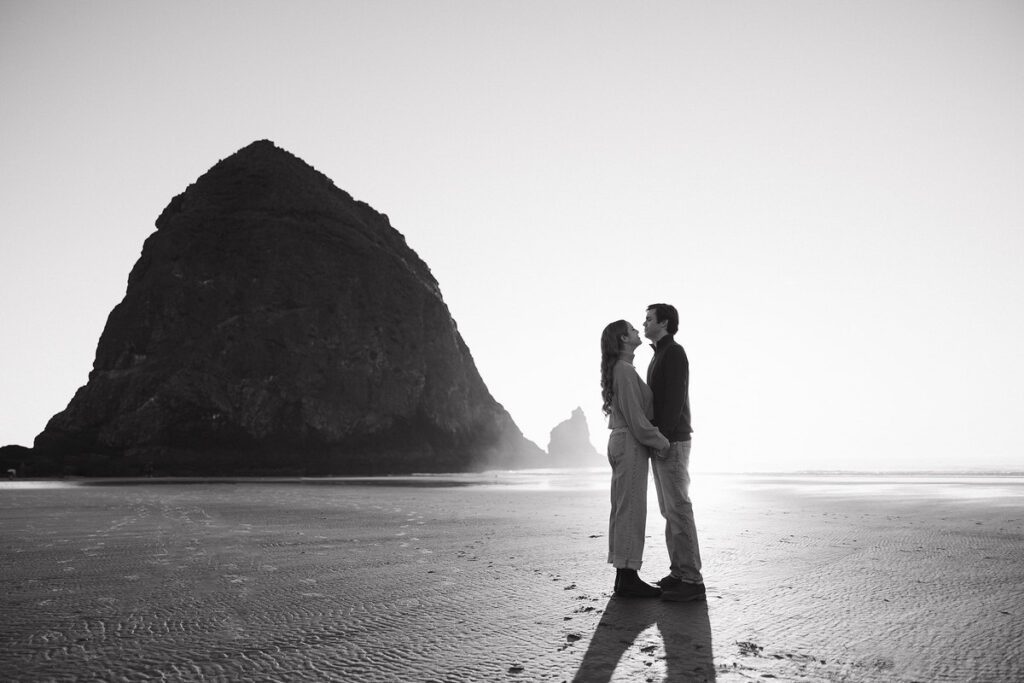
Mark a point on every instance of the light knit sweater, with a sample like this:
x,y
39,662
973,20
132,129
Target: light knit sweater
x,y
633,406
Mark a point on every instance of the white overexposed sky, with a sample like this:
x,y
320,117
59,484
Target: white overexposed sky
x,y
832,194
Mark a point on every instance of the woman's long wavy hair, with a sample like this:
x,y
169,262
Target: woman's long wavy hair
x,y
611,344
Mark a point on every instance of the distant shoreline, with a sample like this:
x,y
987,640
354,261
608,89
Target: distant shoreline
x,y
584,477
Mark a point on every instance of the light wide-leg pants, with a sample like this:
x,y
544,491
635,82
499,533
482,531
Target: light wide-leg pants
x,y
672,482
628,520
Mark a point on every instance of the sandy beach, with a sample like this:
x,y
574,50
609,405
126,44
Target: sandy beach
x,y
502,577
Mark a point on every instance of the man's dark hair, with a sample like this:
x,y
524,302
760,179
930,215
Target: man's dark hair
x,y
663,312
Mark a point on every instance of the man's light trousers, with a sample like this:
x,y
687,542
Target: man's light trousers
x,y
672,482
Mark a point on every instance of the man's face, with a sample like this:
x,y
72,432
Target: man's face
x,y
654,330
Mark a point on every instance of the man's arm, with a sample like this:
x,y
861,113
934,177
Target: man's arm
x,y
674,375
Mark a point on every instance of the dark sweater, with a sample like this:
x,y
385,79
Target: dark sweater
x,y
668,376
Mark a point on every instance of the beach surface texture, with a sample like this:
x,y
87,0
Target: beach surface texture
x,y
502,577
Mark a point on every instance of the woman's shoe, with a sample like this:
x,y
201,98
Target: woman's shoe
x,y
629,585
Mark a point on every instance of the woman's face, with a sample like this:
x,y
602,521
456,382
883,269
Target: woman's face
x,y
631,338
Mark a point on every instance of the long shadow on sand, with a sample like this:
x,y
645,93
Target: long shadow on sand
x,y
685,631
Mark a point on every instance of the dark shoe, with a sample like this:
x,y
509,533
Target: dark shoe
x,y
685,592
669,582
629,585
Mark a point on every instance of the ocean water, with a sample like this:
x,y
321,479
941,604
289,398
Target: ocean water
x,y
995,488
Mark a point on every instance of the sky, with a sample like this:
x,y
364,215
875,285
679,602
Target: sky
x,y
829,192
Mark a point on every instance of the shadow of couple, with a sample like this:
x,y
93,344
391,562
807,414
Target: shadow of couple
x,y
685,634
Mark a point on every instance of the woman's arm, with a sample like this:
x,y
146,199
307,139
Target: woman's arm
x,y
626,385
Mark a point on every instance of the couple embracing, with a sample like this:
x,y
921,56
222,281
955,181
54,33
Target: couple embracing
x,y
650,426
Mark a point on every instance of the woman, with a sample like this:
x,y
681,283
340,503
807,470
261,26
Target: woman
x,y
627,402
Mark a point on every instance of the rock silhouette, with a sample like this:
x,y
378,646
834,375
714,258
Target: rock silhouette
x,y
273,324
570,443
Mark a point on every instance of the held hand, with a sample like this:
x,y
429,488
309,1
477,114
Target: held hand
x,y
661,453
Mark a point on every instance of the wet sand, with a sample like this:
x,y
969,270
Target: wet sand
x,y
502,577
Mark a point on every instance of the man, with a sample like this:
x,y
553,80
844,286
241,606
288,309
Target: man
x,y
668,376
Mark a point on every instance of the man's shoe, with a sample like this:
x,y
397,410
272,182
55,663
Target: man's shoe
x,y
684,592
669,582
629,585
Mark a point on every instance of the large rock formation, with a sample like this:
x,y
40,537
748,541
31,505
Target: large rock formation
x,y
570,444
275,325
